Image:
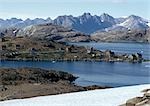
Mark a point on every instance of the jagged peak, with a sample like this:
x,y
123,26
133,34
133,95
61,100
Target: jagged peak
x,y
106,15
86,15
49,19
28,19
13,18
134,17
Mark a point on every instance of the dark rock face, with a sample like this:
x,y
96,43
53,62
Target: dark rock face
x,y
93,87
8,32
31,82
33,75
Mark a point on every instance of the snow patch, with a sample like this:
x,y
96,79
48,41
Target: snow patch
x,y
106,97
148,24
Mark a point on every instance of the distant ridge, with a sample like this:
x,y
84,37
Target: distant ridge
x,y
85,23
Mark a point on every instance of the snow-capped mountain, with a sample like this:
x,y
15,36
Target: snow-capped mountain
x,y
85,23
134,22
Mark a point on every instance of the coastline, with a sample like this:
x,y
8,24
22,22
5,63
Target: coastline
x,y
75,60
109,97
27,82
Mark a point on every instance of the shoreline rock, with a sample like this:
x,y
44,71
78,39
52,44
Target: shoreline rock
x,y
31,82
37,50
139,101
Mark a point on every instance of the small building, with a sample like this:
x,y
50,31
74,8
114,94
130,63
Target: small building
x,y
139,57
18,46
90,50
71,49
60,49
109,53
67,49
135,57
93,55
130,57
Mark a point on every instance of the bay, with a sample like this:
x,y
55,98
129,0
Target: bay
x,y
99,73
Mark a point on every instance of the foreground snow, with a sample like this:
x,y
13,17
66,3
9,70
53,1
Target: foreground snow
x,y
106,97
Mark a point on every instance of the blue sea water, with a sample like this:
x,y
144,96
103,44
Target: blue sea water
x,y
99,73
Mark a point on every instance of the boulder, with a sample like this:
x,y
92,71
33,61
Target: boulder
x,y
133,101
139,101
3,88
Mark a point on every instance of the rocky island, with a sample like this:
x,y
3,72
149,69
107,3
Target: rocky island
x,y
36,49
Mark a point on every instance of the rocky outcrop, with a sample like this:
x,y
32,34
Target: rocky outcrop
x,y
33,75
10,32
139,101
122,36
2,88
93,87
53,32
31,82
25,48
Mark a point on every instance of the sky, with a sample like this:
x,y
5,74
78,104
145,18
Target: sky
x,y
52,8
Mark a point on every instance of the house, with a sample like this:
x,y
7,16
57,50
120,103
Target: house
x,y
18,46
67,49
139,57
71,49
109,53
131,57
135,57
89,50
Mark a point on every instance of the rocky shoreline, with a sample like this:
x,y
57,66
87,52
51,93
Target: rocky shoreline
x,y
139,101
73,60
22,48
31,82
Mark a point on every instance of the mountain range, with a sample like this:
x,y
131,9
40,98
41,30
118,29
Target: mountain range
x,y
85,23
103,28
